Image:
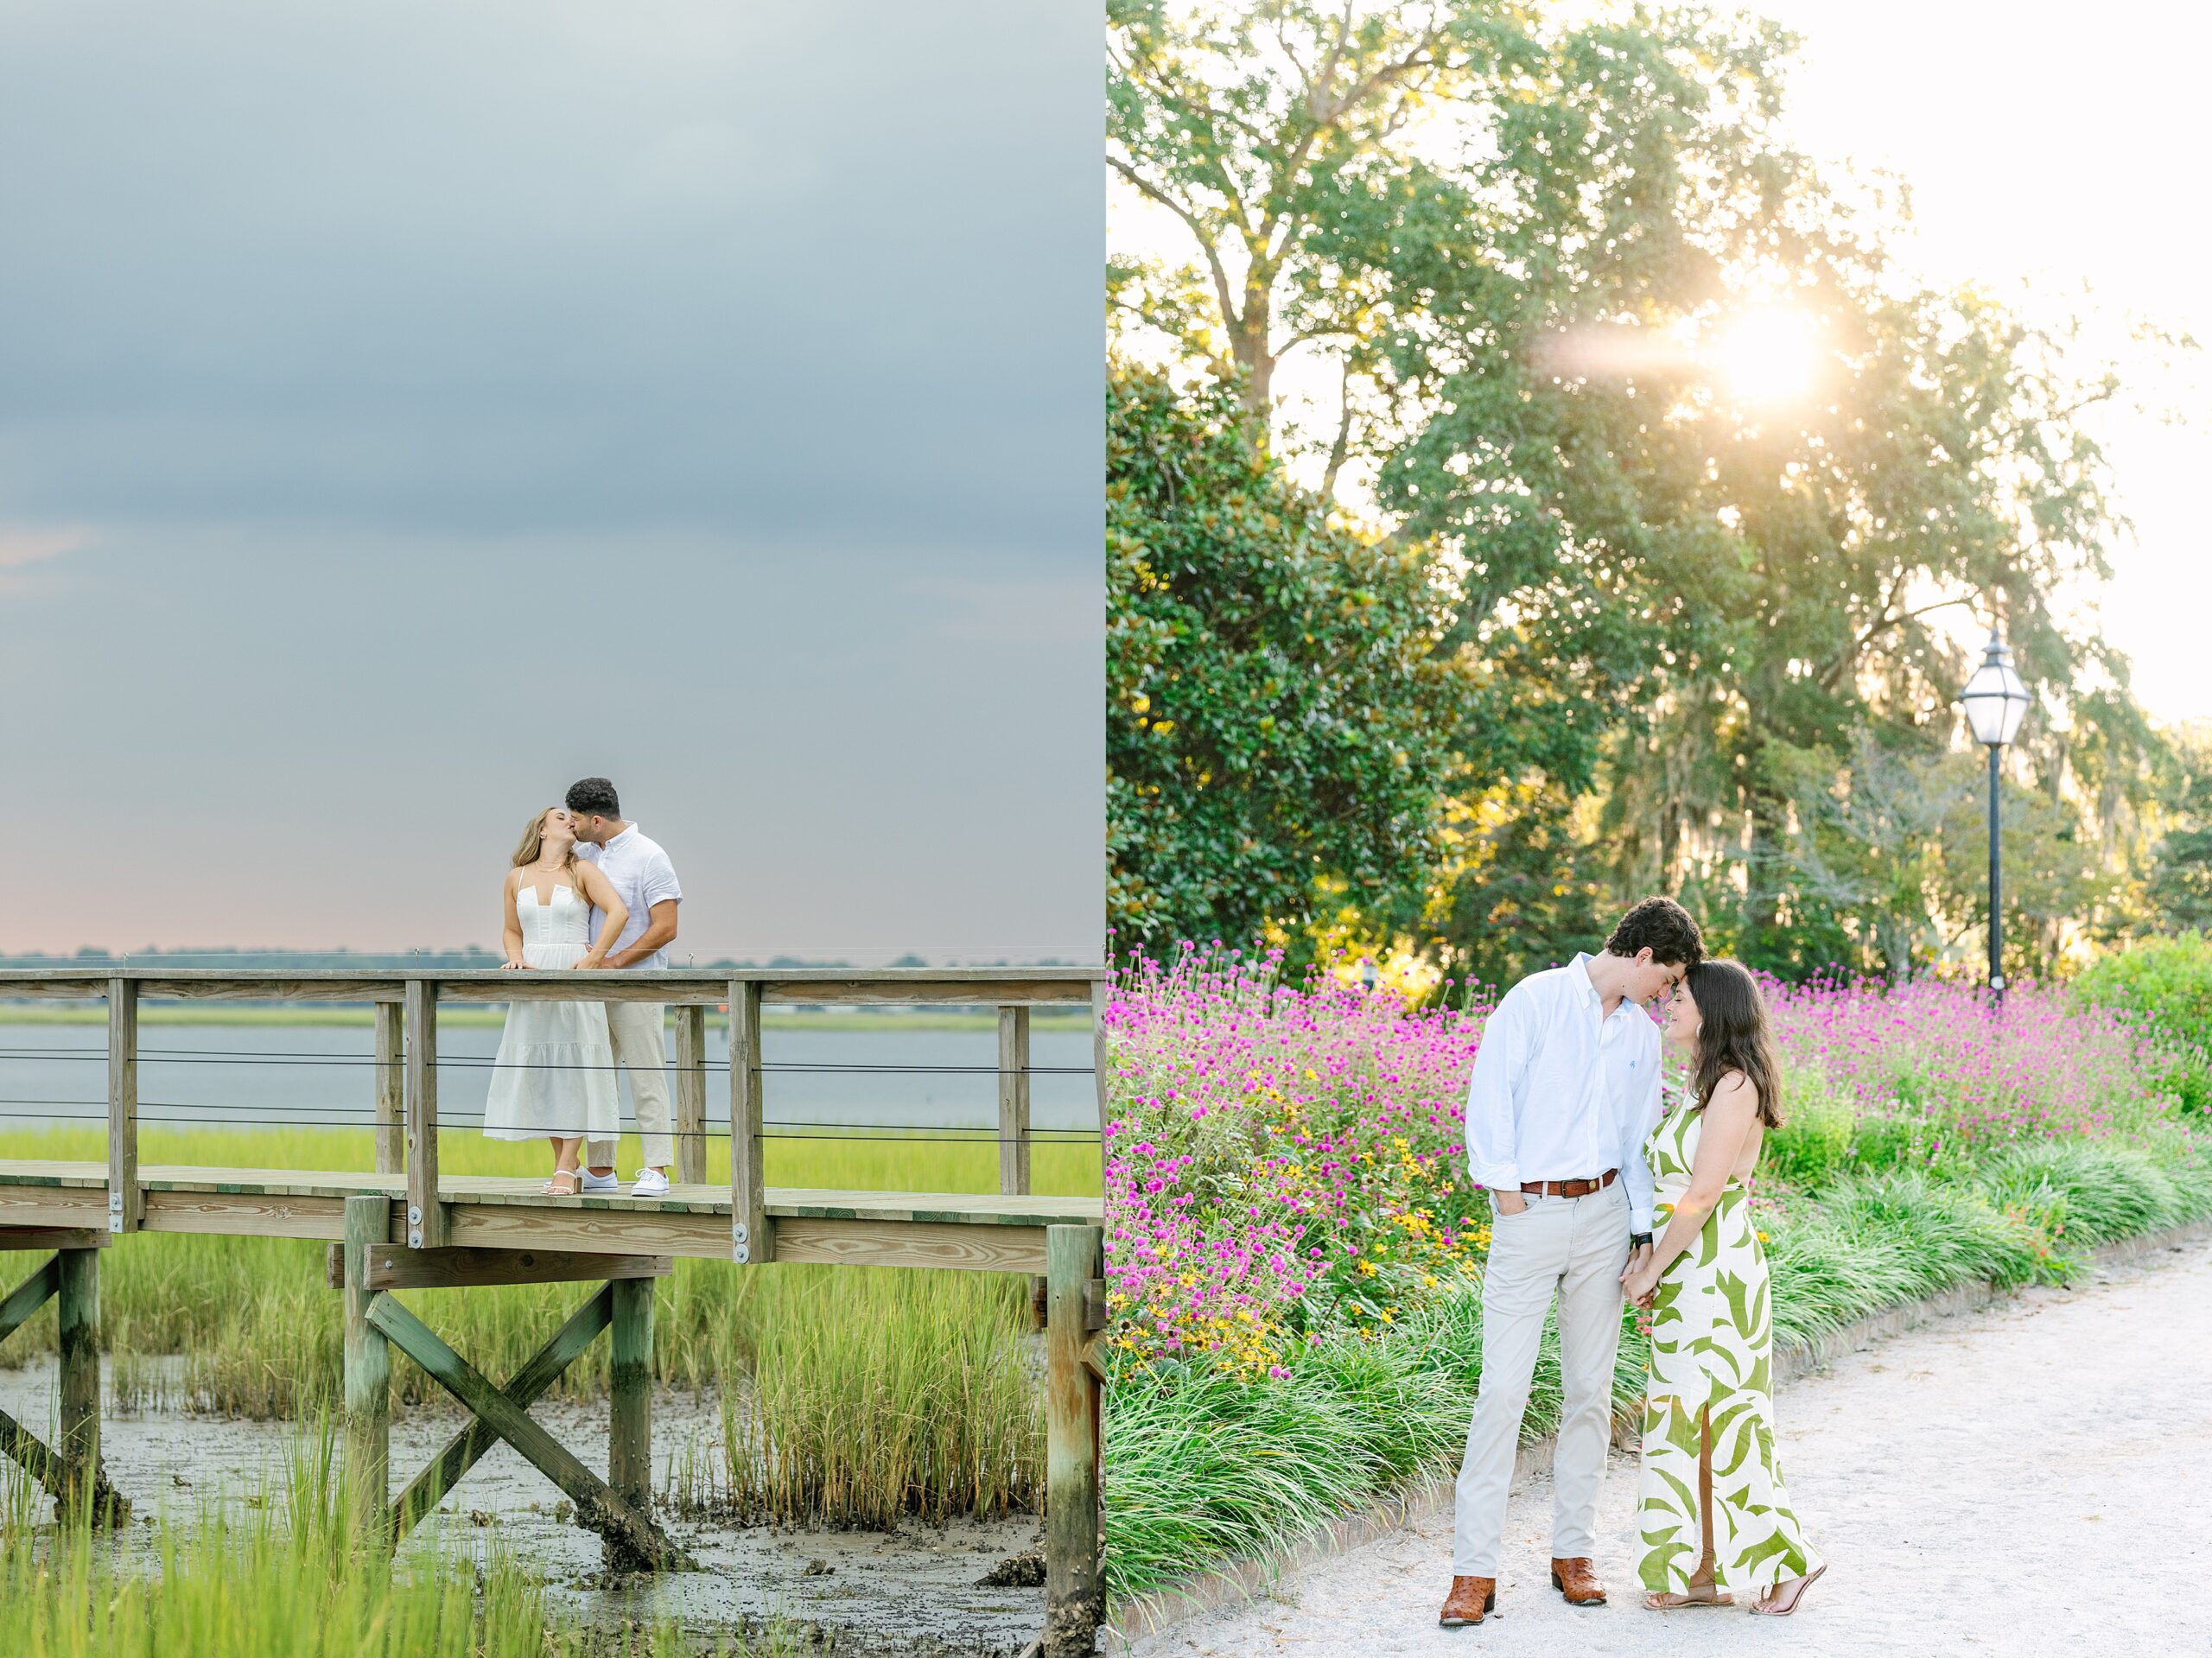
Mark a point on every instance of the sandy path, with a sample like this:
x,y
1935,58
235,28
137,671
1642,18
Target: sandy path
x,y
2035,1478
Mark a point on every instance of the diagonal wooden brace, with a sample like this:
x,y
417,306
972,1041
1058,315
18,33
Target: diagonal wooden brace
x,y
634,1541
28,1297
427,1489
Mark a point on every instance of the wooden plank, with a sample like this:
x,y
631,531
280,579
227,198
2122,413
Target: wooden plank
x,y
37,984
122,1106
967,989
465,1449
630,1437
751,1237
426,1226
54,1238
391,1088
630,1536
609,1232
605,985
70,1207
394,1268
1014,1101
28,1297
1075,1596
77,1337
908,1243
367,1379
244,1215
691,1095
272,986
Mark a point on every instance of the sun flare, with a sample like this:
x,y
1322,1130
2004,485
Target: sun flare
x,y
1768,357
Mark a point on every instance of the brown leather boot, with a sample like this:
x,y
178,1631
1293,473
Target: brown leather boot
x,y
1574,1579
1471,1597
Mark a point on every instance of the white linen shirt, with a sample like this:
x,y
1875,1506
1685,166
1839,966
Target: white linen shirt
x,y
1561,1091
642,876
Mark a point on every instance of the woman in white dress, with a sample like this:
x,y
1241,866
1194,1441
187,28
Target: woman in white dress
x,y
554,1076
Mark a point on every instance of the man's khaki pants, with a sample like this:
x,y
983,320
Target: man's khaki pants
x,y
1573,1249
639,1049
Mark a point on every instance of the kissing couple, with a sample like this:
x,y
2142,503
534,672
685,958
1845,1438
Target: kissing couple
x,y
1565,1127
586,889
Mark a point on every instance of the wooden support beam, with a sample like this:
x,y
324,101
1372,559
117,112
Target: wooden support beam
x,y
427,1225
367,1381
633,1539
462,1452
630,1442
1075,1595
691,1095
77,1445
392,1268
50,1238
751,1240
123,1195
1101,994
391,1088
1014,1101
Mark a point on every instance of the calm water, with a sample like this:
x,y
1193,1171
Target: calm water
x,y
227,1076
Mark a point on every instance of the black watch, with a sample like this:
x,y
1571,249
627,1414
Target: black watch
x,y
1639,1240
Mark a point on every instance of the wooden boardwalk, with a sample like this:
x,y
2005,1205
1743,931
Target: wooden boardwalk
x,y
405,1225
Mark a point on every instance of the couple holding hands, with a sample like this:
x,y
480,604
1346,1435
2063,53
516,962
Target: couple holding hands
x,y
1565,1127
586,889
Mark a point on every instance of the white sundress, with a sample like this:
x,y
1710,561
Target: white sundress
x,y
555,1075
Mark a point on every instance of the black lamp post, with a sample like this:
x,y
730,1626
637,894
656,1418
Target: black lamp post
x,y
1996,701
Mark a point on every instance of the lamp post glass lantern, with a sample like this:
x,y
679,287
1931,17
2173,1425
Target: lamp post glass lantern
x,y
1996,701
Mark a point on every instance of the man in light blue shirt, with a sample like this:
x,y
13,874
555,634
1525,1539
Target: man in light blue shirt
x,y
1565,1088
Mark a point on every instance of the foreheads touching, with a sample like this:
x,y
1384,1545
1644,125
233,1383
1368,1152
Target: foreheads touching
x,y
1659,942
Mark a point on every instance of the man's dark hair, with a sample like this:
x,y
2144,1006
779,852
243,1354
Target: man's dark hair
x,y
1659,924
596,796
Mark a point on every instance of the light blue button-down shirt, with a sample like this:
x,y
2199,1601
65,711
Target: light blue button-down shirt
x,y
1562,1091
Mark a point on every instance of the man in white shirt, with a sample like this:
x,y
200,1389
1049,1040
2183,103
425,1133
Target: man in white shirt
x,y
1565,1091
640,871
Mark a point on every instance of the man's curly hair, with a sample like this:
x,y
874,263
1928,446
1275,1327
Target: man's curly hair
x,y
1664,927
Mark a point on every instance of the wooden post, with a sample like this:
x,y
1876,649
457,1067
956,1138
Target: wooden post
x,y
1075,1601
630,1445
690,1094
1014,1101
750,1240
123,1197
78,1440
368,1377
1101,993
427,1225
392,1089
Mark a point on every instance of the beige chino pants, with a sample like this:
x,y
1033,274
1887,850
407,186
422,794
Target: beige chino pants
x,y
641,1049
1570,1251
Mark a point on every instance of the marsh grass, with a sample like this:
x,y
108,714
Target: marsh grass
x,y
872,1391
277,1577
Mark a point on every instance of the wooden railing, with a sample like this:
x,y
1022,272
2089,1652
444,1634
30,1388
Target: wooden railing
x,y
406,1055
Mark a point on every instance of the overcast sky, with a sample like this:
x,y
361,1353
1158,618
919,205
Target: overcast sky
x,y
405,409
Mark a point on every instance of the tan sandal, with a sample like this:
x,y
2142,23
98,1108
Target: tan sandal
x,y
1772,1603
553,1189
1676,1602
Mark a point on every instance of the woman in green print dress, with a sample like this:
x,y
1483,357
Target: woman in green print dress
x,y
1714,1515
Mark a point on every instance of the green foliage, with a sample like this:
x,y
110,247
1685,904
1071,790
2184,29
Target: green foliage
x,y
1277,714
2165,983
1814,1145
1683,609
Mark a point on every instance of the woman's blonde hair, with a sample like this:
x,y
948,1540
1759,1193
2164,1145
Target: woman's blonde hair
x,y
533,842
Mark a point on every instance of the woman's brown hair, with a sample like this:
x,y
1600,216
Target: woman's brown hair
x,y
1733,1034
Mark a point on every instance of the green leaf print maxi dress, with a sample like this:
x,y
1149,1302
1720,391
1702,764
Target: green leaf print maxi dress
x,y
1710,1477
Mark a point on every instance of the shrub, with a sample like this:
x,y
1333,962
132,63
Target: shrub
x,y
2165,986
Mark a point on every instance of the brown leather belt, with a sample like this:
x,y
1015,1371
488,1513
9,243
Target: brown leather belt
x,y
1569,1188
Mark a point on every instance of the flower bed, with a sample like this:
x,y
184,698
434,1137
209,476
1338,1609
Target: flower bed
x,y
1294,1249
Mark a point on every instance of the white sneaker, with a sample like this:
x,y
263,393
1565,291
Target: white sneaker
x,y
600,1182
650,1183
